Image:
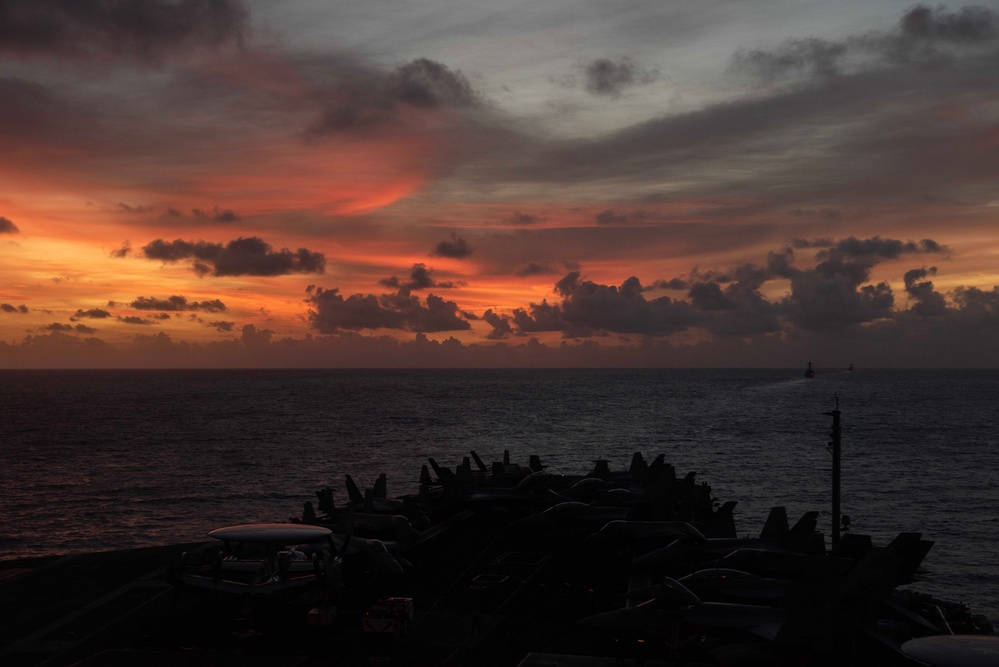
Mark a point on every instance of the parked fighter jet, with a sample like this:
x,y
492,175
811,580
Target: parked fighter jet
x,y
820,607
688,552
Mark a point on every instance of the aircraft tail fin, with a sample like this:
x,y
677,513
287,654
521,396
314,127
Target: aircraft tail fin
x,y
803,536
353,492
326,504
369,503
425,479
442,473
776,526
639,468
535,463
806,524
722,522
380,490
478,462
859,594
911,550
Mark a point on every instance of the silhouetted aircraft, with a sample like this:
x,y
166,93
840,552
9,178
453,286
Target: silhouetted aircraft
x,y
687,552
822,607
261,563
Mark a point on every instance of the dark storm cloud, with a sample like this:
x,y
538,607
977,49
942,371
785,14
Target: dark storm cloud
x,y
833,294
243,256
538,317
251,336
500,325
122,251
143,29
7,227
588,306
708,296
978,304
419,278
91,313
610,78
359,99
10,308
456,248
928,302
177,303
672,283
330,312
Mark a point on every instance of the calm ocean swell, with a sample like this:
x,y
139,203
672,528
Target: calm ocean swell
x,y
95,460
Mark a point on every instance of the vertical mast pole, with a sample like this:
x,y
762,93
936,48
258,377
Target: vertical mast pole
x,y
834,447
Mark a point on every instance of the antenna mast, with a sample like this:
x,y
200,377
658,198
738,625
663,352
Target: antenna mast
x,y
834,447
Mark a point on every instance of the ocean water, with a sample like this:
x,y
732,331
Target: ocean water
x,y
100,460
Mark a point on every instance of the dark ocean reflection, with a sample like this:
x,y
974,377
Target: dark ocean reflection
x,y
95,460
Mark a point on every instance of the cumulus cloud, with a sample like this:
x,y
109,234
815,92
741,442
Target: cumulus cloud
x,y
251,336
7,227
141,29
67,328
243,256
221,325
538,317
928,302
500,325
90,313
177,303
122,251
456,248
133,319
419,278
588,306
833,294
610,78
11,308
329,312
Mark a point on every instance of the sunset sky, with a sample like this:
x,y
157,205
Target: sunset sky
x,y
201,183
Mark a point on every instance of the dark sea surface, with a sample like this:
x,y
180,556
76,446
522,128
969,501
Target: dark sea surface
x,y
101,460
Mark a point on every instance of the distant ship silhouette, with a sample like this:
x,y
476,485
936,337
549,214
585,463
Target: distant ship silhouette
x,y
809,372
